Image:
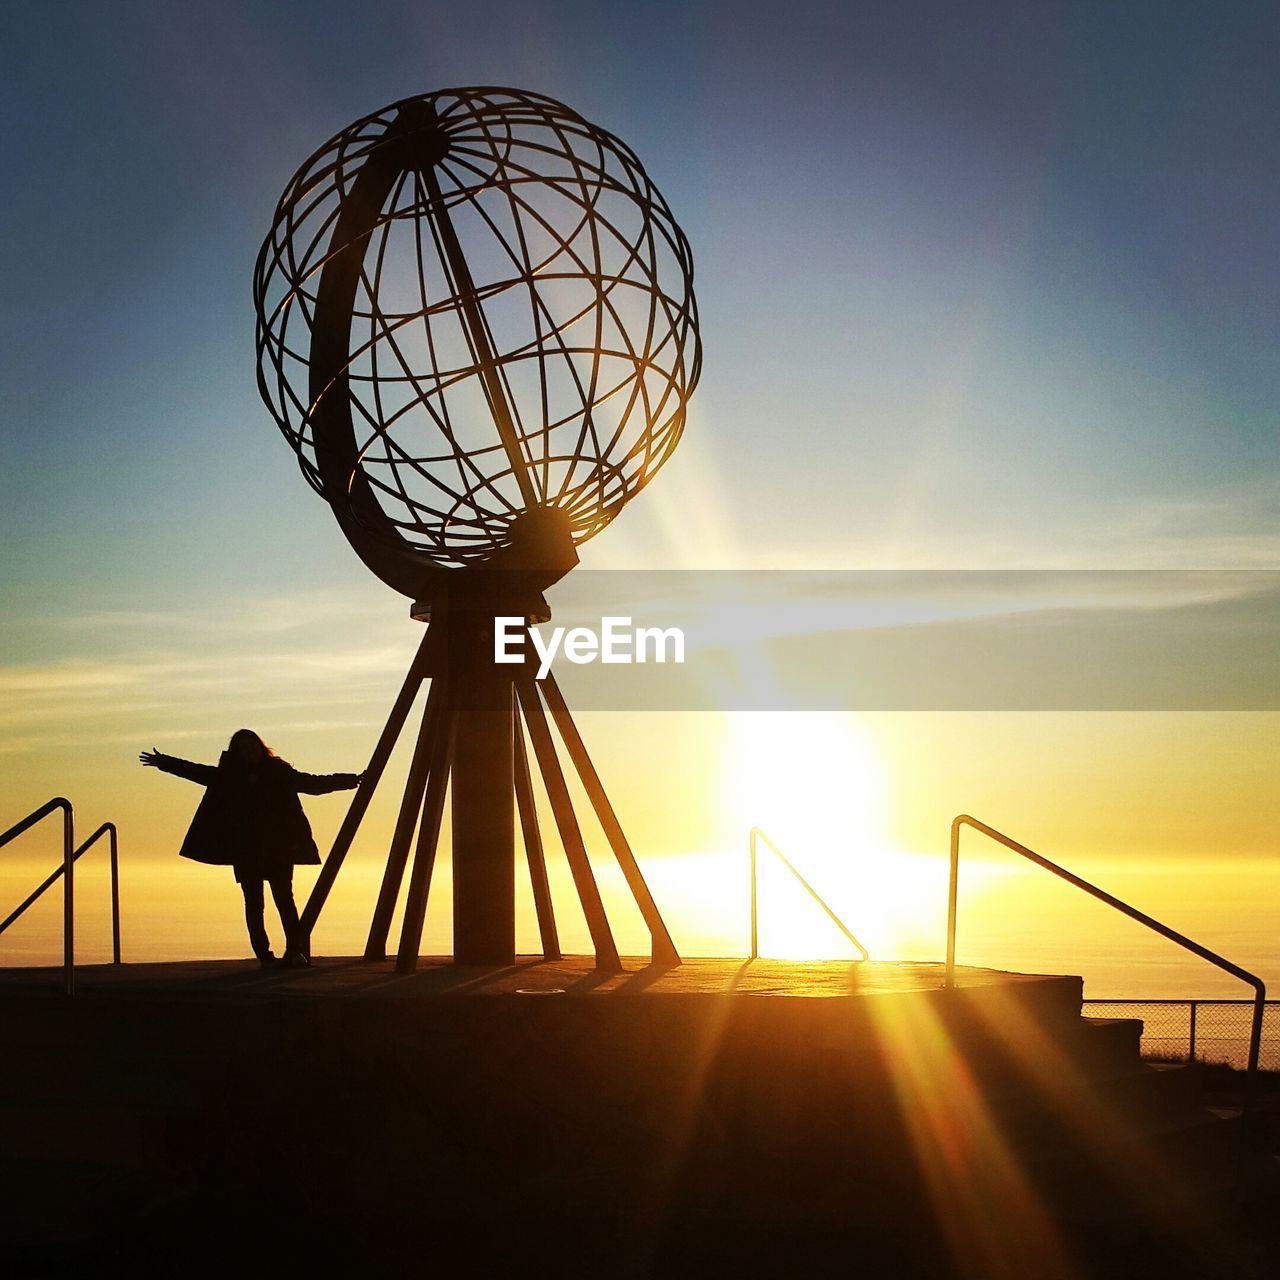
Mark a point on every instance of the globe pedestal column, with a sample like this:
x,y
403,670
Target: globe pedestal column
x,y
484,919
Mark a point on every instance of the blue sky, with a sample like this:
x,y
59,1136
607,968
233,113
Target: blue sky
x,y
991,286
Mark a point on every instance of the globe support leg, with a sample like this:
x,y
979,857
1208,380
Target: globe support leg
x,y
567,822
406,822
534,852
364,792
663,949
415,909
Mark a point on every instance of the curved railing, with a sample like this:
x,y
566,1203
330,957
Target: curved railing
x,y
758,835
1252,980
66,872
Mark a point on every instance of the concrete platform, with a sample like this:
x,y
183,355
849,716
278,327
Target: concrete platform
x,y
354,977
546,1119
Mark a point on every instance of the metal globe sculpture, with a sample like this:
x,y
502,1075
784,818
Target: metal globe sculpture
x,y
476,328
472,305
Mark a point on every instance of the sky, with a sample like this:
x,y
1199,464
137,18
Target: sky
x,y
981,288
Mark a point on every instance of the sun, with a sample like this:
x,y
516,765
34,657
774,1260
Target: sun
x,y
815,783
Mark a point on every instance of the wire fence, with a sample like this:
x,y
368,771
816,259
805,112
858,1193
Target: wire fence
x,y
1198,1030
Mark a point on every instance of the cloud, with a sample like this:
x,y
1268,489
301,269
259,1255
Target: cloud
x,y
111,676
238,616
316,664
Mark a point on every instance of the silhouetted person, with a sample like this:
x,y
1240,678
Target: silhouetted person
x,y
252,820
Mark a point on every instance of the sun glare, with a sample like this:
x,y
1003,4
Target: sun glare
x,y
814,783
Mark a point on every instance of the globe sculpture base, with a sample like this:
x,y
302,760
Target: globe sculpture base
x,y
472,737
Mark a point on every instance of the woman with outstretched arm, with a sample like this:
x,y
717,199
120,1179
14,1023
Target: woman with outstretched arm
x,y
252,820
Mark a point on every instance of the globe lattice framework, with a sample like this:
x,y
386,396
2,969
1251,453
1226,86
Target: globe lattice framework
x,y
522,332
476,328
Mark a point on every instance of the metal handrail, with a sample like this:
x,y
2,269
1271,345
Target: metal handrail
x,y
68,887
107,829
756,835
1252,980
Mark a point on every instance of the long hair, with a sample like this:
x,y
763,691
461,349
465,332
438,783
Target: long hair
x,y
246,737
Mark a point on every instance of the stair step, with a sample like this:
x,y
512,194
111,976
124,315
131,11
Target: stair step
x,y
1081,1109
1158,1173
1121,1037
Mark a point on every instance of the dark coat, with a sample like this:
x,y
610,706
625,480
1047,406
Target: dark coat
x,y
253,819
